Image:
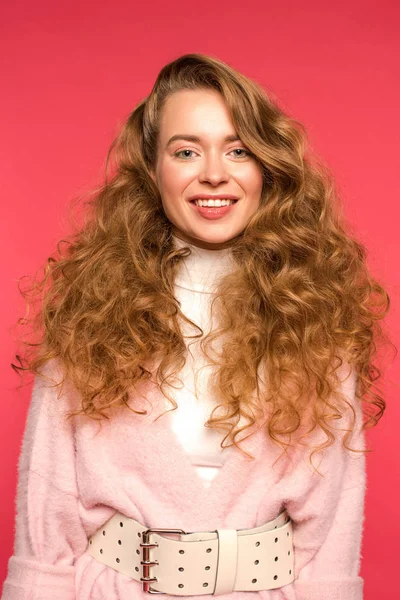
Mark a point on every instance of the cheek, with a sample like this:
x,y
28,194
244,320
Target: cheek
x,y
171,178
252,181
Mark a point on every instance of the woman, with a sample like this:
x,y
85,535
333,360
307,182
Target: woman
x,y
217,225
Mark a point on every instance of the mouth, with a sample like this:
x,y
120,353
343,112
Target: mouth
x,y
214,211
232,200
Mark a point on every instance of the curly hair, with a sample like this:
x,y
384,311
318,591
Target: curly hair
x,y
299,304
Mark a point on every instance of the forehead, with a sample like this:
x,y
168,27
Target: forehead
x,y
198,112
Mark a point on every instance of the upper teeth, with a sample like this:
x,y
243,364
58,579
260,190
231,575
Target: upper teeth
x,y
218,202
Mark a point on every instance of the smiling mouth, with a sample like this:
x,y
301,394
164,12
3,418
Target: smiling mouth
x,y
232,201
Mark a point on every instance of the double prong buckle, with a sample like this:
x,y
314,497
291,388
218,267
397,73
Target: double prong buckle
x,y
146,562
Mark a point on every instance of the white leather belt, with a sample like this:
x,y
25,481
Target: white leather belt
x,y
197,563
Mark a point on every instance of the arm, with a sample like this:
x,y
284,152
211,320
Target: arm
x,y
49,534
328,516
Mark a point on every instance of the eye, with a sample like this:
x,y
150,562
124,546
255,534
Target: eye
x,y
179,153
242,150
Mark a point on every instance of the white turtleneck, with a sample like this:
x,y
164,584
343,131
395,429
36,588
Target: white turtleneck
x,y
194,290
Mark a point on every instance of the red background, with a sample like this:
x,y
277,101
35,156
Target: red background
x,y
72,71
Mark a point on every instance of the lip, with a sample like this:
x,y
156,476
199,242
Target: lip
x,y
212,197
212,214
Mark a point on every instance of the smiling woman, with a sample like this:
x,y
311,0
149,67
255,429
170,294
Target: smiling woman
x,y
214,257
214,166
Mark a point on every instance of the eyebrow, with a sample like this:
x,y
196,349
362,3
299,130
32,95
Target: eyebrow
x,y
195,138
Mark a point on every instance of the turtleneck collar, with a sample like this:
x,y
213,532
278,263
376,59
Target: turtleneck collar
x,y
201,270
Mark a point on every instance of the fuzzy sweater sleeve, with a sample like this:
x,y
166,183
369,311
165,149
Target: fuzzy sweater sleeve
x,y
49,534
328,515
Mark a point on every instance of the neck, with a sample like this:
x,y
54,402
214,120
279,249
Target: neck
x,y
201,243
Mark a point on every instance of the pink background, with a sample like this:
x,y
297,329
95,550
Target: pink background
x,y
71,72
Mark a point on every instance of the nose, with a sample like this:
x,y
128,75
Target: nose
x,y
213,171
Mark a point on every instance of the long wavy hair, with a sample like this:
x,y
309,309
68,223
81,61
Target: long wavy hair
x,y
299,305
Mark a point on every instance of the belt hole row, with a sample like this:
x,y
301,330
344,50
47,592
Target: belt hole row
x,y
180,585
257,562
205,568
275,577
208,549
276,539
116,560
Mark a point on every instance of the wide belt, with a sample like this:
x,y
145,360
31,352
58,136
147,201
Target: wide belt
x,y
197,563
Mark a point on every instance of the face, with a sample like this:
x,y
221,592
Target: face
x,y
204,158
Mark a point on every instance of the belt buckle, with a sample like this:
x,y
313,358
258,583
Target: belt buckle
x,y
146,545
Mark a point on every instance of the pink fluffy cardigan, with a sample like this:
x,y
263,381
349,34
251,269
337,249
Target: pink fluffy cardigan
x,y
74,475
